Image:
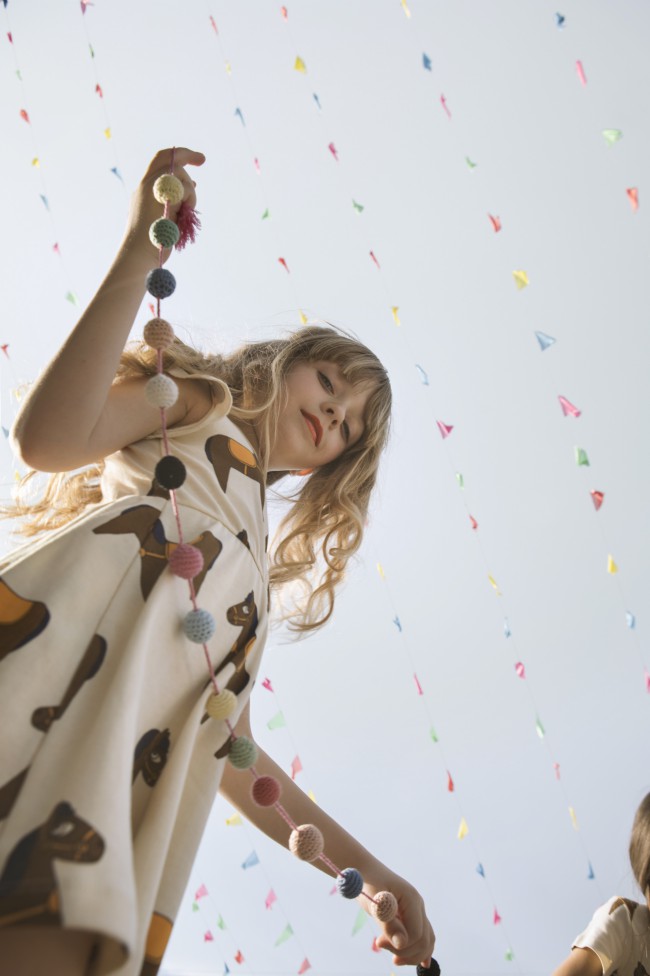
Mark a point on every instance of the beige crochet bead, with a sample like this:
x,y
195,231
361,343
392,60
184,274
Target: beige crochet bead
x,y
168,189
306,842
158,334
384,907
222,705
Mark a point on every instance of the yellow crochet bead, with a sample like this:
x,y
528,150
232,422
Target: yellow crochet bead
x,y
168,189
222,705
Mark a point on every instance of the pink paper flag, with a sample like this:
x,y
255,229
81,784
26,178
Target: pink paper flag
x,y
285,13
556,767
98,91
332,149
647,680
208,937
4,348
372,255
267,684
270,898
633,195
445,429
473,522
296,767
581,73
11,40
597,498
256,164
497,917
568,407
496,223
520,669
418,685
214,25
56,249
375,947
24,115
304,966
443,102
201,893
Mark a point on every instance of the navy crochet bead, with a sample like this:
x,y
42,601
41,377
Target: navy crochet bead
x,y
433,970
161,283
349,883
170,472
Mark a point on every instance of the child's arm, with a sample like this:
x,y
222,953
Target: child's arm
x,y
73,414
581,962
410,936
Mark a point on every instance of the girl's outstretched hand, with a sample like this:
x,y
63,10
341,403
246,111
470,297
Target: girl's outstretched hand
x,y
409,936
145,209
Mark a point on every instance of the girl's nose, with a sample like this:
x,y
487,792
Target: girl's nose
x,y
335,413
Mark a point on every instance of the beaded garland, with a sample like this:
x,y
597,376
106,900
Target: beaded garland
x,y
306,841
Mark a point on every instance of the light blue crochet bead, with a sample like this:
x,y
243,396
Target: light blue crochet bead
x,y
243,753
164,232
350,883
160,283
199,626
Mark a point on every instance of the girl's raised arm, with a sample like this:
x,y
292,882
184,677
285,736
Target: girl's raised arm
x,y
73,415
580,962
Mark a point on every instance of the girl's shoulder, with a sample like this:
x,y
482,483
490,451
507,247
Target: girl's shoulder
x,y
203,394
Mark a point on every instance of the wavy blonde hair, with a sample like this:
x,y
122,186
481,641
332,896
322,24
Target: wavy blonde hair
x,y
323,528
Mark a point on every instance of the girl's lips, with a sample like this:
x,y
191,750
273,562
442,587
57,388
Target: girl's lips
x,y
314,425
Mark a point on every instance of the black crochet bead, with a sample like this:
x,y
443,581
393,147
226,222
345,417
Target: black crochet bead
x,y
160,283
170,472
433,970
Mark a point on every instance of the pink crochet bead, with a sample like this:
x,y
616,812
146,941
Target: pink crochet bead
x,y
186,561
266,791
384,907
158,334
306,842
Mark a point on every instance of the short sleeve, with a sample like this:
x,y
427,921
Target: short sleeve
x,y
608,935
221,402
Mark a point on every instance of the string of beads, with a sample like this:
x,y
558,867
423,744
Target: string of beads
x,y
186,561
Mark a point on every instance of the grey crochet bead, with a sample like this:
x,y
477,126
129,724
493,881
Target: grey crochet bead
x,y
160,283
350,883
199,626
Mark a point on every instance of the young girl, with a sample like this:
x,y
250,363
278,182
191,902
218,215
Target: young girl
x,y
617,940
109,761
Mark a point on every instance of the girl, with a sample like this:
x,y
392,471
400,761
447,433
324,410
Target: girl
x,y
617,940
109,761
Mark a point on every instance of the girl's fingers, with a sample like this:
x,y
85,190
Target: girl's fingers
x,y
182,157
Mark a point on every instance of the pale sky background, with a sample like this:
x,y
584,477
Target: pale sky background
x,y
520,112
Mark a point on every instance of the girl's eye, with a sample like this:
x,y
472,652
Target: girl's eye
x,y
325,380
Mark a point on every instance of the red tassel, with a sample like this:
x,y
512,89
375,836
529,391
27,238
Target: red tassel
x,y
188,223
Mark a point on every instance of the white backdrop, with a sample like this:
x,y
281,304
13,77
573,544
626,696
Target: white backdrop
x,y
519,113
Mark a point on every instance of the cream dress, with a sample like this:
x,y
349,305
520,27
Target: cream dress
x,y
108,763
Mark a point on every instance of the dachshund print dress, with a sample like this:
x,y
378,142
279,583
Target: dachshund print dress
x,y
108,762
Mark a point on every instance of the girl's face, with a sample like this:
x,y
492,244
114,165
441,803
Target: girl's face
x,y
322,417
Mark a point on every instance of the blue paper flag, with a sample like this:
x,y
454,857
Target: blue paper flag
x,y
630,620
425,378
426,61
396,620
480,870
238,112
117,173
591,875
506,628
544,340
560,20
316,100
251,860
44,199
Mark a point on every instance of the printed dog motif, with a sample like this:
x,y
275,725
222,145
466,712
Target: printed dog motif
x,y
226,454
242,615
28,887
151,756
21,620
89,665
160,930
144,522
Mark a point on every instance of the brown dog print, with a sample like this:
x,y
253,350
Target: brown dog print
x,y
21,619
29,889
160,930
226,454
143,521
9,792
150,756
242,615
89,665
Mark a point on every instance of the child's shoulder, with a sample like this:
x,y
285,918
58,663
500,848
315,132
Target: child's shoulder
x,y
618,904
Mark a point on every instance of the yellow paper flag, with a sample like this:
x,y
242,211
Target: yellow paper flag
x,y
493,584
521,279
234,821
395,310
611,565
228,68
405,8
36,162
300,66
107,133
303,318
312,797
380,570
463,829
572,814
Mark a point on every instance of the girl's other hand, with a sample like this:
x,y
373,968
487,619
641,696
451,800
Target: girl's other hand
x,y
409,936
145,208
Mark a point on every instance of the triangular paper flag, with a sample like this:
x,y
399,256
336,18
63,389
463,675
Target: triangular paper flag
x,y
544,340
463,829
568,408
611,565
581,457
521,279
597,498
445,429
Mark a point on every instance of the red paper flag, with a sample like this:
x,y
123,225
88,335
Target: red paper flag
x,y
375,947
151,308
445,429
267,684
304,966
296,767
4,349
496,223
239,958
24,115
332,149
443,102
372,255
568,407
285,13
450,783
597,497
284,265
98,90
496,917
473,522
633,194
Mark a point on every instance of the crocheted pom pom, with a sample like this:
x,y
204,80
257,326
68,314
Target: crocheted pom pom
x,y
306,842
161,391
384,907
158,334
168,189
164,232
199,626
170,472
350,883
160,283
266,791
433,970
243,753
222,705
186,561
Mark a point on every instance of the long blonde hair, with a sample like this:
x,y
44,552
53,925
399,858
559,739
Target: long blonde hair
x,y
324,525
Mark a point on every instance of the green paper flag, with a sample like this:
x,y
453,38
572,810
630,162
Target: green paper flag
x,y
277,722
540,728
432,733
72,298
612,135
195,907
581,457
509,955
265,215
357,206
221,924
470,163
360,921
288,932
460,480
